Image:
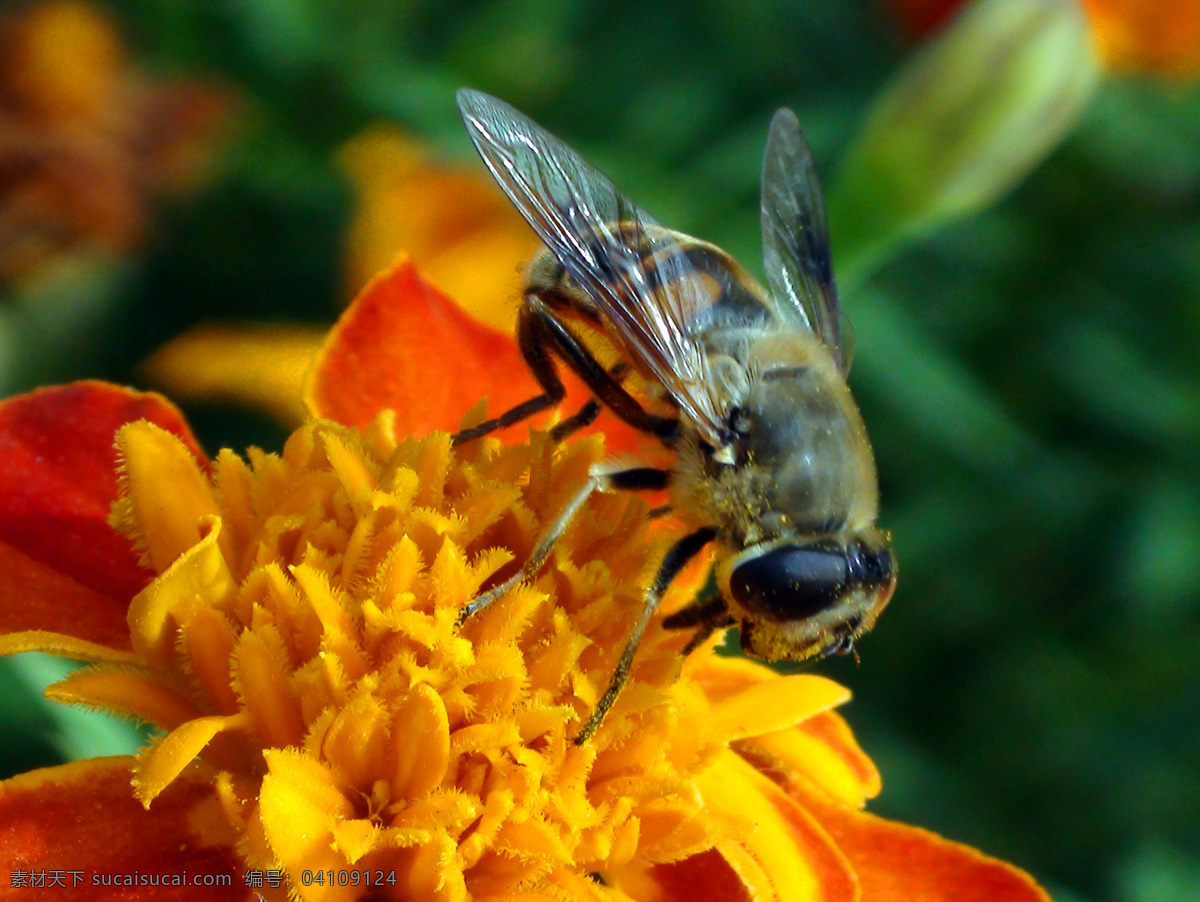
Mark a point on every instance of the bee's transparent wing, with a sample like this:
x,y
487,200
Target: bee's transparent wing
x,y
605,242
796,237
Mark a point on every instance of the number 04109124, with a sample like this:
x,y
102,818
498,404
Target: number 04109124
x,y
348,878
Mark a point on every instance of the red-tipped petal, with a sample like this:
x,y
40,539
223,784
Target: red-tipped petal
x,y
82,819
36,600
895,862
402,344
706,877
58,479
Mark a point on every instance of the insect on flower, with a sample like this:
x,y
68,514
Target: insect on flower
x,y
745,386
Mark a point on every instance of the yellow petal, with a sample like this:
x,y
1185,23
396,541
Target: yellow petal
x,y
165,495
356,739
298,790
458,228
356,837
262,366
497,807
823,751
786,849
351,469
327,602
64,646
775,705
127,692
670,829
532,838
161,763
262,678
432,872
420,743
158,611
210,640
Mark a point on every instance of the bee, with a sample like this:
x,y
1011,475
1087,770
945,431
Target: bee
x,y
745,386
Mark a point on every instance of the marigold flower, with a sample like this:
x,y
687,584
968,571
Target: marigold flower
x,y
85,139
289,622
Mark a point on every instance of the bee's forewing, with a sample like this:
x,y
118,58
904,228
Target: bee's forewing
x,y
600,236
796,252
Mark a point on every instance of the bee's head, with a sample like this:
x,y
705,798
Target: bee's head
x,y
798,601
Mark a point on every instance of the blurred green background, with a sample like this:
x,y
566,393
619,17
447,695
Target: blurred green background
x,y
1030,376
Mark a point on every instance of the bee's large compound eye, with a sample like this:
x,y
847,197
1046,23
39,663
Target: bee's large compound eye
x,y
794,582
790,582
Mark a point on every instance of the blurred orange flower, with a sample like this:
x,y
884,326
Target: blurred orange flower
x,y
330,732
85,140
1160,36
1156,36
461,232
450,221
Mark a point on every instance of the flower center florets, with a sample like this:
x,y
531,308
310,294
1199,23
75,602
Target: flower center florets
x,y
361,726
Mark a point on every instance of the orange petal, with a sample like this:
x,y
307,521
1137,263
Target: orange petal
x,y
83,818
58,479
402,344
898,863
261,366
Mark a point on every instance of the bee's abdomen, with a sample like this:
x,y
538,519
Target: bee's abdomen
x,y
696,283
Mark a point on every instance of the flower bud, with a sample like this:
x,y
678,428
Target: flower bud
x,y
962,122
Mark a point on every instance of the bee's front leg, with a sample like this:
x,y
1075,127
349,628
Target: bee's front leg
x,y
634,479
707,616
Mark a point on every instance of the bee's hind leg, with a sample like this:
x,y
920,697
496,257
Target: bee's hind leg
x,y
583,417
537,358
542,336
681,552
